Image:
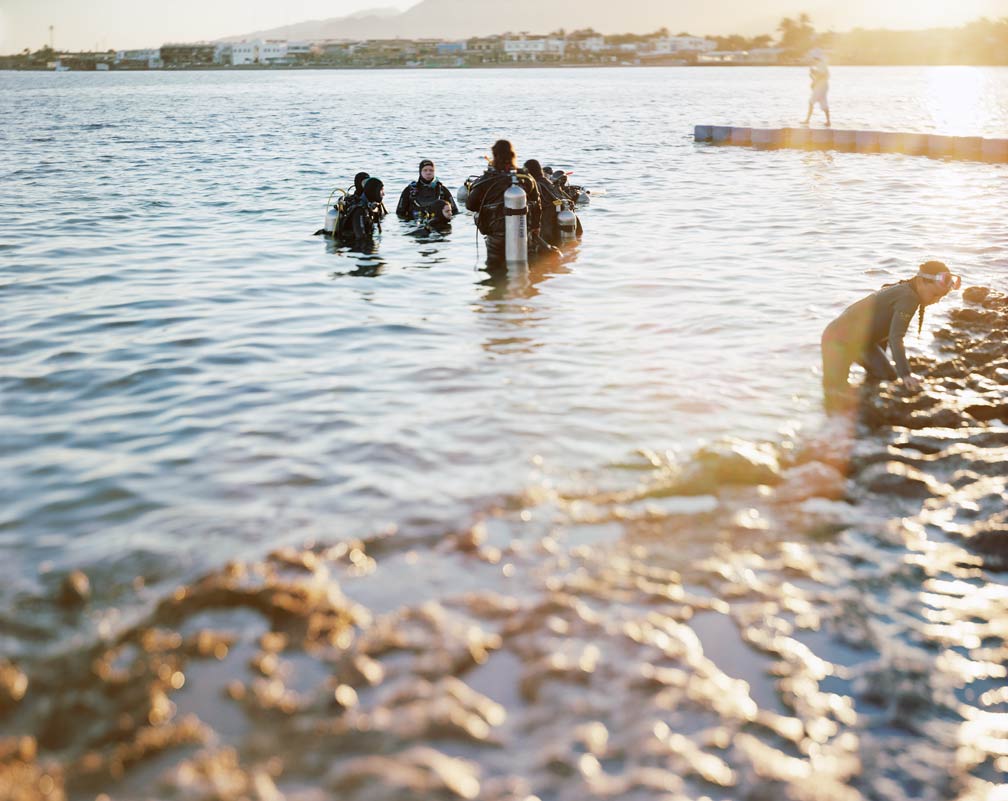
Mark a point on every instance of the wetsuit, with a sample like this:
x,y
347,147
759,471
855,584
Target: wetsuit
x,y
549,226
486,198
424,198
364,212
861,334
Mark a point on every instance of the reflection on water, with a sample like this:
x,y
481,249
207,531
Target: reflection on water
x,y
956,98
523,283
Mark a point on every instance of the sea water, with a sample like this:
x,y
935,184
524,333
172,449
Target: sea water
x,y
191,378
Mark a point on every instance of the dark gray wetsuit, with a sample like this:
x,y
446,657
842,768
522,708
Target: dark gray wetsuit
x,y
862,332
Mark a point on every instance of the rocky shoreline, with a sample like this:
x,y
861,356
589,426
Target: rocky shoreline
x,y
825,621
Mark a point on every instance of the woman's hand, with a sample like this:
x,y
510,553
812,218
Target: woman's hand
x,y
912,383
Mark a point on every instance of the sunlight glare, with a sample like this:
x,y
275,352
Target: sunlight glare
x,y
954,98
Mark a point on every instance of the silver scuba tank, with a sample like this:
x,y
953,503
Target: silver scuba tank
x,y
333,211
567,222
462,195
515,224
331,220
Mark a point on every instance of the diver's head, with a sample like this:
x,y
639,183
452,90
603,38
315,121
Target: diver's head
x,y
934,280
427,170
359,180
503,155
374,190
534,168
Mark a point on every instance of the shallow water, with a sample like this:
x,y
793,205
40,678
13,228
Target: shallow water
x,y
190,377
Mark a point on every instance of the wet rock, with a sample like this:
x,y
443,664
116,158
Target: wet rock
x,y
973,317
865,456
896,478
417,773
996,300
963,478
729,463
419,710
472,539
831,446
305,561
22,778
950,369
975,294
13,686
998,372
941,418
811,480
74,590
987,412
990,540
218,776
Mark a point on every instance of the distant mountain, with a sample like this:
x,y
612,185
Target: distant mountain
x,y
456,19
453,19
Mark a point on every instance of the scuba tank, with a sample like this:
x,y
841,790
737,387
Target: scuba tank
x,y
334,211
331,221
515,224
463,191
567,221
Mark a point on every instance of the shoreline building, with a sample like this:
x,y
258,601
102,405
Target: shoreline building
x,y
197,54
673,45
526,47
259,51
485,49
139,59
588,40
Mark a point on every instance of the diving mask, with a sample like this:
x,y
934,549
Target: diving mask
x,y
947,280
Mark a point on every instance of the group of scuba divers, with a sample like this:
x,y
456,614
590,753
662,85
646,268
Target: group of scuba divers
x,y
522,213
529,213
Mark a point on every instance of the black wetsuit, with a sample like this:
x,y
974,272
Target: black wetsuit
x,y
424,198
549,228
486,198
364,212
863,331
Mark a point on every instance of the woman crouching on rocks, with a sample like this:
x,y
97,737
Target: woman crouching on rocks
x,y
861,333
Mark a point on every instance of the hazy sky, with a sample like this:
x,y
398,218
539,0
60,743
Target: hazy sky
x,y
120,24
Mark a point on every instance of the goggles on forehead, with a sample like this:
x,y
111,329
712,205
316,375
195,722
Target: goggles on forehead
x,y
947,280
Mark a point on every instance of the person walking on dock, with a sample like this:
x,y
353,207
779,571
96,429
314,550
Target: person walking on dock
x,y
819,75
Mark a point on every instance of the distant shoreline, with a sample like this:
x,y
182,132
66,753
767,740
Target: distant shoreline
x,y
518,66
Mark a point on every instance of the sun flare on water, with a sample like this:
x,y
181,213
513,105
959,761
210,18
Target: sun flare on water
x,y
954,98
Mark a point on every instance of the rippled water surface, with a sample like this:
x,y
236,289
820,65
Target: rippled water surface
x,y
189,376
184,360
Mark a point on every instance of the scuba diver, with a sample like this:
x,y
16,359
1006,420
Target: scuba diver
x,y
864,329
338,211
358,185
553,199
364,212
486,199
576,194
427,199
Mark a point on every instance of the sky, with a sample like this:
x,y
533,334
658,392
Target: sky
x,y
128,24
